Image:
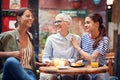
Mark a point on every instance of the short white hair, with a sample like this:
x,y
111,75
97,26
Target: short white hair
x,y
64,17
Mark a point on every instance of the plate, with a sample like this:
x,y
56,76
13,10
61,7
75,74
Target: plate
x,y
62,67
82,65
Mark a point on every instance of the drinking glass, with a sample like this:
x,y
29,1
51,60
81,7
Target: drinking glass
x,y
62,63
56,62
94,61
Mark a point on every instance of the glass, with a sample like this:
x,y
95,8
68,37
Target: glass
x,y
94,61
59,62
56,62
62,63
57,22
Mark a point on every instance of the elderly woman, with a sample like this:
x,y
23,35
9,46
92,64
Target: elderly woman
x,y
59,45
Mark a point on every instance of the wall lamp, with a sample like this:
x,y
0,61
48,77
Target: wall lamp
x,y
76,4
96,2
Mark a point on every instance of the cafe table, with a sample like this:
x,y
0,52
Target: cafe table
x,y
73,70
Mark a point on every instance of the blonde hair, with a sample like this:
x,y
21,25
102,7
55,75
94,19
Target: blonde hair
x,y
64,17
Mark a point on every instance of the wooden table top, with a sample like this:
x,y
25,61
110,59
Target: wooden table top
x,y
73,71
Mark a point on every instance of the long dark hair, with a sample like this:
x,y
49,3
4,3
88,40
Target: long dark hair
x,y
20,12
98,18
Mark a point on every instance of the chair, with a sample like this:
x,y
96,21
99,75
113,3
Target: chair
x,y
110,60
113,78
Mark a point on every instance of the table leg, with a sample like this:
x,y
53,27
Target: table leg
x,y
75,77
60,77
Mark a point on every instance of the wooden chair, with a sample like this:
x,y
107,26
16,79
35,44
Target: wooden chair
x,y
110,60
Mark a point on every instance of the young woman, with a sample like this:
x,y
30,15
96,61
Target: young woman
x,y
94,42
19,41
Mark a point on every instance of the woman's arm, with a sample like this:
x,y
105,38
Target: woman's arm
x,y
16,54
83,53
86,55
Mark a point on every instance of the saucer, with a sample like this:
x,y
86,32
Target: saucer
x,y
62,67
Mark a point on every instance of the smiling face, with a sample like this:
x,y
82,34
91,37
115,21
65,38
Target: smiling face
x,y
61,26
62,23
90,25
26,19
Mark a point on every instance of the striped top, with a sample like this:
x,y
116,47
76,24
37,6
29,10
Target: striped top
x,y
26,55
102,48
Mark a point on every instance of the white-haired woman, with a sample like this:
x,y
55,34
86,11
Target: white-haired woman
x,y
59,45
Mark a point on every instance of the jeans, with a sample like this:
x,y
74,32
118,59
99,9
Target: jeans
x,y
45,76
100,76
13,70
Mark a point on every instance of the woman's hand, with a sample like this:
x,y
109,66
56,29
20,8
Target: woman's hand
x,y
48,63
17,54
75,42
67,63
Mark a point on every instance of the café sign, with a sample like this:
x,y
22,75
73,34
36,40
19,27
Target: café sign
x,y
75,13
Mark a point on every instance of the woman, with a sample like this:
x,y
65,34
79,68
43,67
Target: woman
x,y
94,43
22,65
59,45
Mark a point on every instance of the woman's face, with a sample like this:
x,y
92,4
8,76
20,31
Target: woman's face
x,y
90,25
26,20
61,26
